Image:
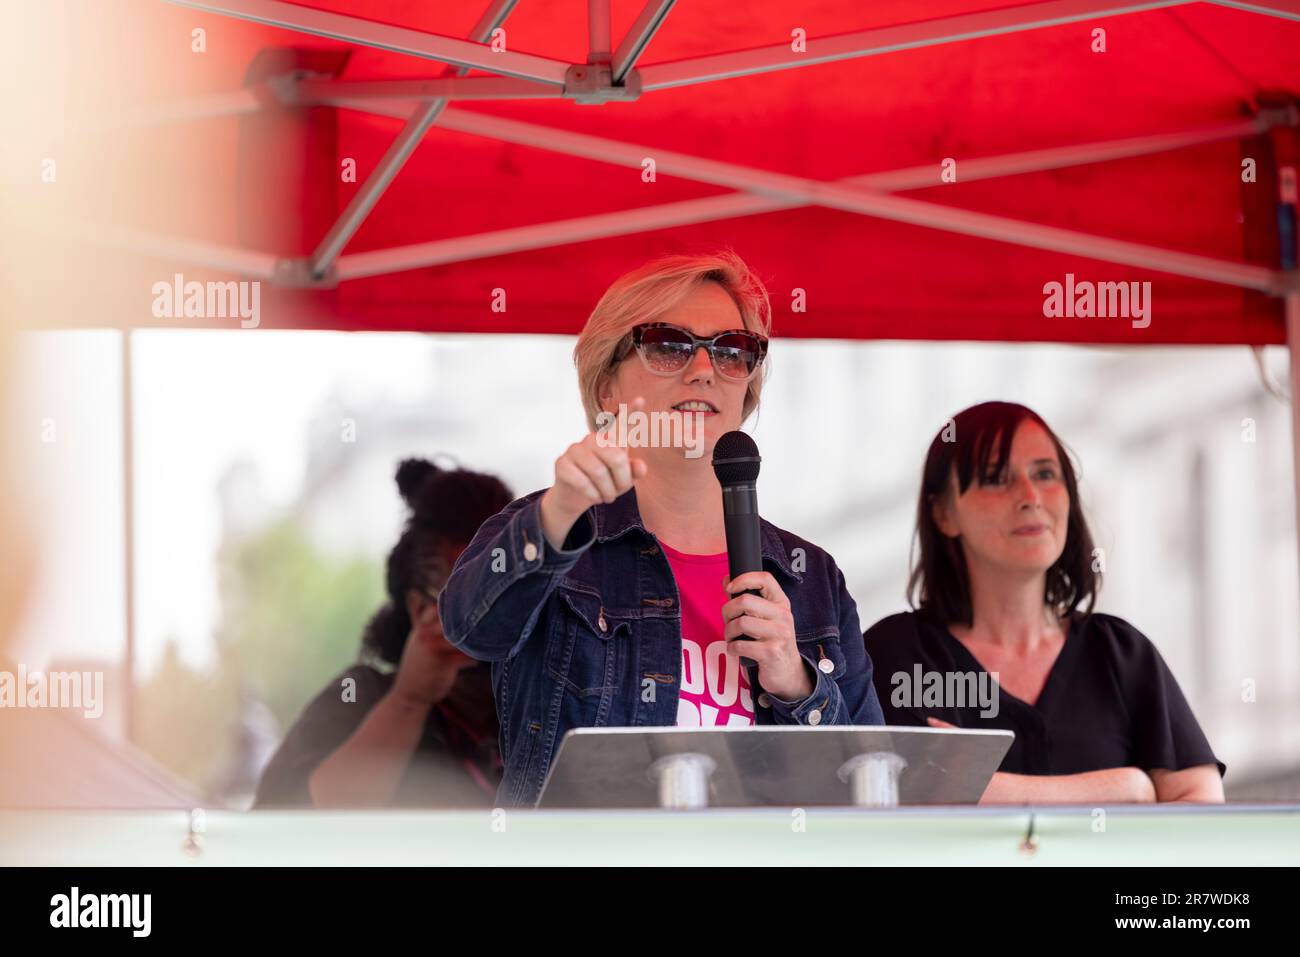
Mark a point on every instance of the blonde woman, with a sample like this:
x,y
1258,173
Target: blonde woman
x,y
604,599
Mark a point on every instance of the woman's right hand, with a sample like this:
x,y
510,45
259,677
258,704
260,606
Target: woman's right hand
x,y
367,769
591,471
429,664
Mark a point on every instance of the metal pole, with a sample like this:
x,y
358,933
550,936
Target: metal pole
x,y
334,92
734,205
243,262
889,39
599,31
384,36
639,36
1286,151
368,195
396,156
1293,347
869,202
1286,9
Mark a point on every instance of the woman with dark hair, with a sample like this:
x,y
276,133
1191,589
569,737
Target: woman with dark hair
x,y
1004,635
413,723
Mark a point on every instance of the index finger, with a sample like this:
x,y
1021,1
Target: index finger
x,y
637,467
626,409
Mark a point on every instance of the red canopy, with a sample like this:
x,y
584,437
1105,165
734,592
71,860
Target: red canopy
x,y
823,166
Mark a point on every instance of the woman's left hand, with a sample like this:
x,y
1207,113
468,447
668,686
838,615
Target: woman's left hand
x,y
766,618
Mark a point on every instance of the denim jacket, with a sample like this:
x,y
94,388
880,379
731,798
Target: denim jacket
x,y
589,635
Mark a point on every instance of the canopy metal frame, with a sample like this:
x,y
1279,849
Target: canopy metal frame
x,y
612,75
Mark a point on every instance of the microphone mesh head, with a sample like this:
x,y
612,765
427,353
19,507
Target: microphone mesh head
x,y
736,459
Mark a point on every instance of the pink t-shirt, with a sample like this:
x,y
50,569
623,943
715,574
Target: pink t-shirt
x,y
715,690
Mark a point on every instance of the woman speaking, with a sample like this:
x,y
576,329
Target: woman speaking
x,y
604,599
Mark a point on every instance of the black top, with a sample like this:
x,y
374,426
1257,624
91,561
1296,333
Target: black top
x,y
1109,701
459,734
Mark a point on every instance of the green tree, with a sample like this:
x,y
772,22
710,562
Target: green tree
x,y
292,617
182,715
291,620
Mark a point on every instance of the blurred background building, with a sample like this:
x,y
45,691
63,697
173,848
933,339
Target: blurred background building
x,y
264,505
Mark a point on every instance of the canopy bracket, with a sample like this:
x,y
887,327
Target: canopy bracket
x,y
297,273
592,84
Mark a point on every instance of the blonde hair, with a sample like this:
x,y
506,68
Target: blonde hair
x,y
645,294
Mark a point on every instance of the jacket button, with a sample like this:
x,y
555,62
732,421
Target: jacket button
x,y
530,552
815,716
826,665
764,700
600,622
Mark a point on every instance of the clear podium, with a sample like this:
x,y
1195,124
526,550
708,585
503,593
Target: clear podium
x,y
771,766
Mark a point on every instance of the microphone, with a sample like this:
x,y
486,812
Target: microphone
x,y
735,463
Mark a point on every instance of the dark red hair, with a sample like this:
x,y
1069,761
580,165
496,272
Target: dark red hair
x,y
977,443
